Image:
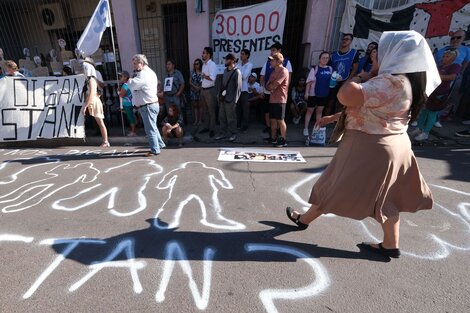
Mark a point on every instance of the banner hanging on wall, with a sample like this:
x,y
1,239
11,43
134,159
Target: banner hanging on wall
x,y
254,27
41,107
434,20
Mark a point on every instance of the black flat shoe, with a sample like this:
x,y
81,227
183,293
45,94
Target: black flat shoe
x,y
391,253
297,221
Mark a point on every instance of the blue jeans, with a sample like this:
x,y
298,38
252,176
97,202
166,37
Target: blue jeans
x,y
149,115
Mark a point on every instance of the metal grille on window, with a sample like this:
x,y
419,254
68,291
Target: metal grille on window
x,y
30,33
37,25
163,27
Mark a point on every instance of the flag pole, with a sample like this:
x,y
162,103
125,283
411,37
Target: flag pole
x,y
116,67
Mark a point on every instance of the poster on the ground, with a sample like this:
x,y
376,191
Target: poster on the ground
x,y
41,107
255,27
259,155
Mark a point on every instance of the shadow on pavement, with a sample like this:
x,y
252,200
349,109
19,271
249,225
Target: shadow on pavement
x,y
79,157
458,161
150,243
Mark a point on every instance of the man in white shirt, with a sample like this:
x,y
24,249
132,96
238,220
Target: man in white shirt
x,y
264,78
144,98
243,106
208,92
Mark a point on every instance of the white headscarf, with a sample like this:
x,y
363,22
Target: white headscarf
x,y
88,69
402,52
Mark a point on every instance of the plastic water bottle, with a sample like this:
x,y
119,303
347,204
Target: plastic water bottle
x,y
333,78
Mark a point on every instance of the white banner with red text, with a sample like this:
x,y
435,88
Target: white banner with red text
x,y
255,27
41,107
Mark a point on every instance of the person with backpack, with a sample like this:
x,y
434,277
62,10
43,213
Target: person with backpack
x,y
93,105
317,90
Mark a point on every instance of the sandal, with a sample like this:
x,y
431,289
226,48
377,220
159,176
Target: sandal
x,y
105,145
391,253
300,225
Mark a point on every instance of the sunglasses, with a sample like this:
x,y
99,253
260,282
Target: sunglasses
x,y
455,37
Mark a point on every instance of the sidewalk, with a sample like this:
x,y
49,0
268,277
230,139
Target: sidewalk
x,y
442,137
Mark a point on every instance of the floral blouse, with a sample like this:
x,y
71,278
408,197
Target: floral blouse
x,y
387,101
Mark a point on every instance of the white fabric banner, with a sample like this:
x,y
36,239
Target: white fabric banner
x,y
90,39
41,107
434,20
254,27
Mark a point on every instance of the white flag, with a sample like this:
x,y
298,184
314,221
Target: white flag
x,y
89,42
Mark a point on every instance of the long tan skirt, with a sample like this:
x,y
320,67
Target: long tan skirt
x,y
372,176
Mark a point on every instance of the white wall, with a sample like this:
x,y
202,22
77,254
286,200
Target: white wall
x,y
127,31
198,30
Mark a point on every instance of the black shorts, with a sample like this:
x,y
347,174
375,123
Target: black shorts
x,y
266,103
277,111
314,102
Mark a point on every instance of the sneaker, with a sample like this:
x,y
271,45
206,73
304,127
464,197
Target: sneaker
x,y
220,136
414,124
421,137
232,138
438,124
267,130
281,142
415,132
466,122
131,134
463,133
296,120
306,132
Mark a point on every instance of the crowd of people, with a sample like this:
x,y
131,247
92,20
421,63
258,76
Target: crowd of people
x,y
221,105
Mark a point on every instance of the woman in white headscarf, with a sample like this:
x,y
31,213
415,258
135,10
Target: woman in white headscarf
x,y
374,172
93,105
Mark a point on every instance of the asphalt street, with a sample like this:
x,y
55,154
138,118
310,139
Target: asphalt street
x,y
84,229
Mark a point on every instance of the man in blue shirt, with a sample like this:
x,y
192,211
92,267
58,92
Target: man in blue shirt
x,y
456,40
344,62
